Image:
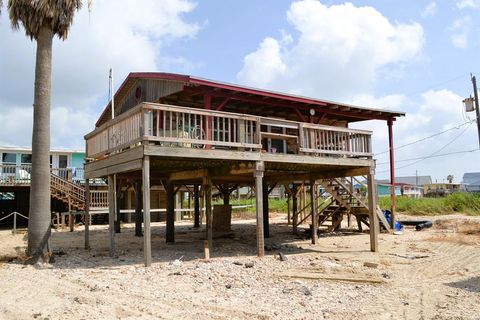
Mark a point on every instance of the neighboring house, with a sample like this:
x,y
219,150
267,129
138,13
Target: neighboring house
x,y
419,181
66,181
441,189
471,180
385,190
16,163
411,191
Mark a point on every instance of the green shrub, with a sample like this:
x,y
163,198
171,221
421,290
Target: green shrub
x,y
466,203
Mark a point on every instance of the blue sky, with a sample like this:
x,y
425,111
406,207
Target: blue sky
x,y
413,56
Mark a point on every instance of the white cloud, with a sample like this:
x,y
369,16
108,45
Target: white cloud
x,y
465,4
429,10
126,35
460,30
338,54
436,111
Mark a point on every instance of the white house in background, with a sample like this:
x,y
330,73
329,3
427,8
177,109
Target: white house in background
x,y
16,162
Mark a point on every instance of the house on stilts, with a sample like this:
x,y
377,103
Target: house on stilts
x,y
174,130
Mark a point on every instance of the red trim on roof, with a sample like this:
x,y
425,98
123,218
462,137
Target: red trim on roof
x,y
186,79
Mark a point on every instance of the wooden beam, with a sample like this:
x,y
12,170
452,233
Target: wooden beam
x,y
187,175
207,186
87,214
285,176
115,168
196,210
266,209
294,193
138,209
313,205
117,205
200,153
260,168
111,214
147,243
126,156
372,207
170,223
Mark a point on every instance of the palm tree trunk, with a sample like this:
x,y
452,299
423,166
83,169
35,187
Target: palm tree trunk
x,y
39,216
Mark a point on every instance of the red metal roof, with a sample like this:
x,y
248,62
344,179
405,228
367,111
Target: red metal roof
x,y
363,113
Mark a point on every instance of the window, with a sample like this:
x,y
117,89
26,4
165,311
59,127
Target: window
x,y
62,161
9,158
26,158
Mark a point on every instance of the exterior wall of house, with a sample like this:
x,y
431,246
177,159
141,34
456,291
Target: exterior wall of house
x,y
147,90
384,190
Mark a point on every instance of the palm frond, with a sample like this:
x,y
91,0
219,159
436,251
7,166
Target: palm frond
x,y
35,14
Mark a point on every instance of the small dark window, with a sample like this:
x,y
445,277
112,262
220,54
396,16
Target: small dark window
x,y
9,158
26,158
62,161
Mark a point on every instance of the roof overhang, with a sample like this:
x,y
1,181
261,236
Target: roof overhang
x,y
299,104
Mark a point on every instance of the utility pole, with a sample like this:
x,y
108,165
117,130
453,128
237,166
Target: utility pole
x,y
477,108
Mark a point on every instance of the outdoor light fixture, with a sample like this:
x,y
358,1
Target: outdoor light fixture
x,y
312,112
469,104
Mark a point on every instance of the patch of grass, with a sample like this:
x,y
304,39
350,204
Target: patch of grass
x,y
465,203
275,205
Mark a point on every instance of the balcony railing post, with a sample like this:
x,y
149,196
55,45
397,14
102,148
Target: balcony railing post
x,y
301,137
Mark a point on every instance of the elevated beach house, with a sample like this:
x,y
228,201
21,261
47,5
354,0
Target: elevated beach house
x,y
173,130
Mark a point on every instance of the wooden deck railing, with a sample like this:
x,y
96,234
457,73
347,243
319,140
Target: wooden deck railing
x,y
20,174
319,139
182,127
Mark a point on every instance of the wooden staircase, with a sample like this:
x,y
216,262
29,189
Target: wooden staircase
x,y
347,197
68,192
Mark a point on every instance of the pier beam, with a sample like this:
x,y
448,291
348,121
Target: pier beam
x,y
147,243
259,170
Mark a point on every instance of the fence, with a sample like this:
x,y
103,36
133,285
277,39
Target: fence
x,y
14,214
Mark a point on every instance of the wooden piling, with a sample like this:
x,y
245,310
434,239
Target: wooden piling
x,y
138,208
313,205
207,185
170,223
259,206
147,245
196,199
86,216
111,214
372,207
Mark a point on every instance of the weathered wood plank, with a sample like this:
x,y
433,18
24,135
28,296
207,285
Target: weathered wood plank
x,y
114,169
147,244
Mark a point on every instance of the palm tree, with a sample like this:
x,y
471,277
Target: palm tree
x,y
42,20
450,178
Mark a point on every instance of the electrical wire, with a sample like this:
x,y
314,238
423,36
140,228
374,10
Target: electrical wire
x,y
435,156
432,155
429,137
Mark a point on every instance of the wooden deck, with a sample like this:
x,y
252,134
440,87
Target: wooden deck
x,y
173,132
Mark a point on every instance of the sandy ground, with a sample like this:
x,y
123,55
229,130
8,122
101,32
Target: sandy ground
x,y
431,274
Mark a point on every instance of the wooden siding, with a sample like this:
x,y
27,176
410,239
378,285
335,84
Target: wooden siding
x,y
151,91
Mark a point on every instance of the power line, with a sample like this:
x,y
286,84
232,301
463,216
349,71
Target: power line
x,y
429,137
435,156
432,154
